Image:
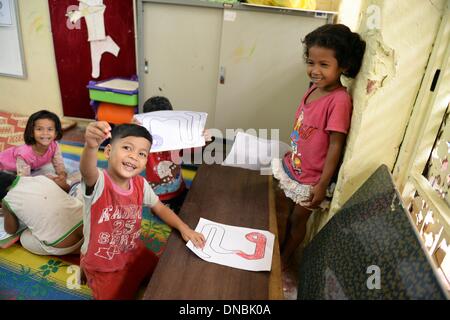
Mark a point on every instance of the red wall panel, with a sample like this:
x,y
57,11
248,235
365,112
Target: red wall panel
x,y
73,54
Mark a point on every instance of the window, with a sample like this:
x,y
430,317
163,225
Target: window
x,y
429,206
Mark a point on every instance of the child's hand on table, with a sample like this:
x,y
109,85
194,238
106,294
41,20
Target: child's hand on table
x,y
196,238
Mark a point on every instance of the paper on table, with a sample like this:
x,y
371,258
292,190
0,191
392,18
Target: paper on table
x,y
174,130
237,247
250,152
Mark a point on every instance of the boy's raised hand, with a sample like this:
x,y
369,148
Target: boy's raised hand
x,y
207,135
136,121
96,133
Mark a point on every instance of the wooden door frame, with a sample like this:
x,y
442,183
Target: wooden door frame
x,y
424,123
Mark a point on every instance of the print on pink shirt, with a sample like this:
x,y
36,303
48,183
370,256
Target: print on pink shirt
x,y
295,136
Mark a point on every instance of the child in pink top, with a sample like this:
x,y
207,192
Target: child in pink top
x,y
40,149
322,122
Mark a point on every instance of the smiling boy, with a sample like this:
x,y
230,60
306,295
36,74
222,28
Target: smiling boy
x,y
114,259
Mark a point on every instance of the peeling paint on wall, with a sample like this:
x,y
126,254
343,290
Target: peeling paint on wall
x,y
381,67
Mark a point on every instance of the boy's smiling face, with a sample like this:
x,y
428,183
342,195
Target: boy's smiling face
x,y
127,157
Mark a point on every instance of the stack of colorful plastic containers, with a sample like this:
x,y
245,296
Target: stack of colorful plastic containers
x,y
114,100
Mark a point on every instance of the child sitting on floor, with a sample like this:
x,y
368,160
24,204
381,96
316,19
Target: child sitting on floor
x,y
42,131
113,257
54,218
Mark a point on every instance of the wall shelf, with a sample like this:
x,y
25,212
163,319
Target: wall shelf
x,y
329,15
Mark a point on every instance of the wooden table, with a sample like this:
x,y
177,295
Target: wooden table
x,y
225,195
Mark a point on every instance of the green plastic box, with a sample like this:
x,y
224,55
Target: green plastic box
x,y
116,90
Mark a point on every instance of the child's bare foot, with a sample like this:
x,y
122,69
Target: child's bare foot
x,y
289,282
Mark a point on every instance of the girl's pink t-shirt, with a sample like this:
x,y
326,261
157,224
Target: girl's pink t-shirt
x,y
9,157
310,137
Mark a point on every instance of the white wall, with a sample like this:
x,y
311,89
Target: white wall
x,y
40,90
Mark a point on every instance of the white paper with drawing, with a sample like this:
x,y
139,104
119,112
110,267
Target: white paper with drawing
x,y
254,153
174,130
237,247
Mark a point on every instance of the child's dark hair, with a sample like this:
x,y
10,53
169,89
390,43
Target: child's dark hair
x,y
157,103
130,130
28,135
6,180
348,46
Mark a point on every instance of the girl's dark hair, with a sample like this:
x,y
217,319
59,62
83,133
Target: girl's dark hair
x,y
157,103
28,135
6,180
130,130
348,46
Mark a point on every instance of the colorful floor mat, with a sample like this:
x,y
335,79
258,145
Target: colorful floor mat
x,y
25,276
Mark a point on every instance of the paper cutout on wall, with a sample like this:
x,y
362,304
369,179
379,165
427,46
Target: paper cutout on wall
x,y
97,49
93,13
74,17
237,247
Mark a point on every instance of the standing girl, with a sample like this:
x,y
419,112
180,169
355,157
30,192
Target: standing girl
x,y
322,122
40,149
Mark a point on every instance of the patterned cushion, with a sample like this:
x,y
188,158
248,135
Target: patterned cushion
x,y
13,125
